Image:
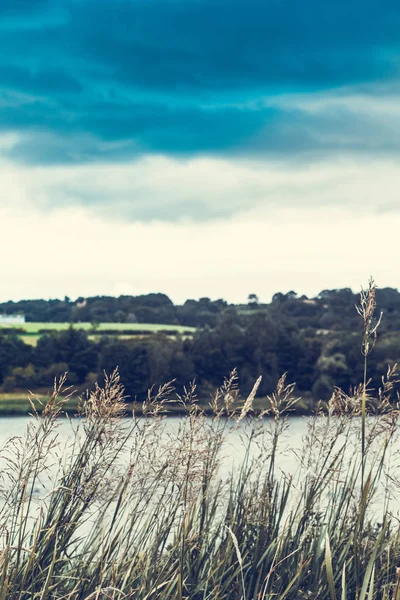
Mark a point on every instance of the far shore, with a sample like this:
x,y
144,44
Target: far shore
x,y
17,404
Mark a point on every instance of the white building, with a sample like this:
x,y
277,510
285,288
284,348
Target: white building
x,y
12,320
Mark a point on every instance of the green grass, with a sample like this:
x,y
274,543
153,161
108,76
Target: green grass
x,y
31,331
31,339
17,403
34,328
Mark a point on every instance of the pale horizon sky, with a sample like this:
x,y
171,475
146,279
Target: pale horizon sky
x,y
198,148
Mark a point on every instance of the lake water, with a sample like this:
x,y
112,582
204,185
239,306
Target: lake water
x,y
291,459
234,446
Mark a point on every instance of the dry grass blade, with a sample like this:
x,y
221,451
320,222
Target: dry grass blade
x,y
366,309
248,404
329,568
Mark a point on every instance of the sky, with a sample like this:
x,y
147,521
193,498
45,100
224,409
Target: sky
x,y
198,147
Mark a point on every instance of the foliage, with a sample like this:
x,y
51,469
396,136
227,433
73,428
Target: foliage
x,y
316,341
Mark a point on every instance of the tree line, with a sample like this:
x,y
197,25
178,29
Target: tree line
x,y
316,341
331,309
148,308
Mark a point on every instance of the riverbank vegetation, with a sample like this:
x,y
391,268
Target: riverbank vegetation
x,y
315,341
130,509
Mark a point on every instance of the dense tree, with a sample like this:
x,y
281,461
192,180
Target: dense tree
x,y
252,300
133,362
72,348
315,340
13,353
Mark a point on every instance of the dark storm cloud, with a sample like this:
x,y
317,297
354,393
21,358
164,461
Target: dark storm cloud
x,y
44,81
87,80
111,132
197,45
119,130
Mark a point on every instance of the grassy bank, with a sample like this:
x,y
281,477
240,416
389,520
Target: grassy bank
x,y
18,404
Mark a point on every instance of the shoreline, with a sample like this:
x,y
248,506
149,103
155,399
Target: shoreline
x,y
17,404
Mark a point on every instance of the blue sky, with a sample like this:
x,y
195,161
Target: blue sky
x,y
164,122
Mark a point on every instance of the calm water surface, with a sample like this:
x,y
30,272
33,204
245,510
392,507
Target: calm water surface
x,y
233,451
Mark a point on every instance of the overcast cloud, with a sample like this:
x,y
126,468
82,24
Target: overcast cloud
x,y
260,136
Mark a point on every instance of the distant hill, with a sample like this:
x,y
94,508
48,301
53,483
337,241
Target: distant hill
x,y
329,310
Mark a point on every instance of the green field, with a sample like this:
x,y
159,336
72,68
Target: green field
x,y
34,328
30,333
18,404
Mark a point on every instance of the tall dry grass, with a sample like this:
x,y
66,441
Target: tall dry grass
x,y
132,508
